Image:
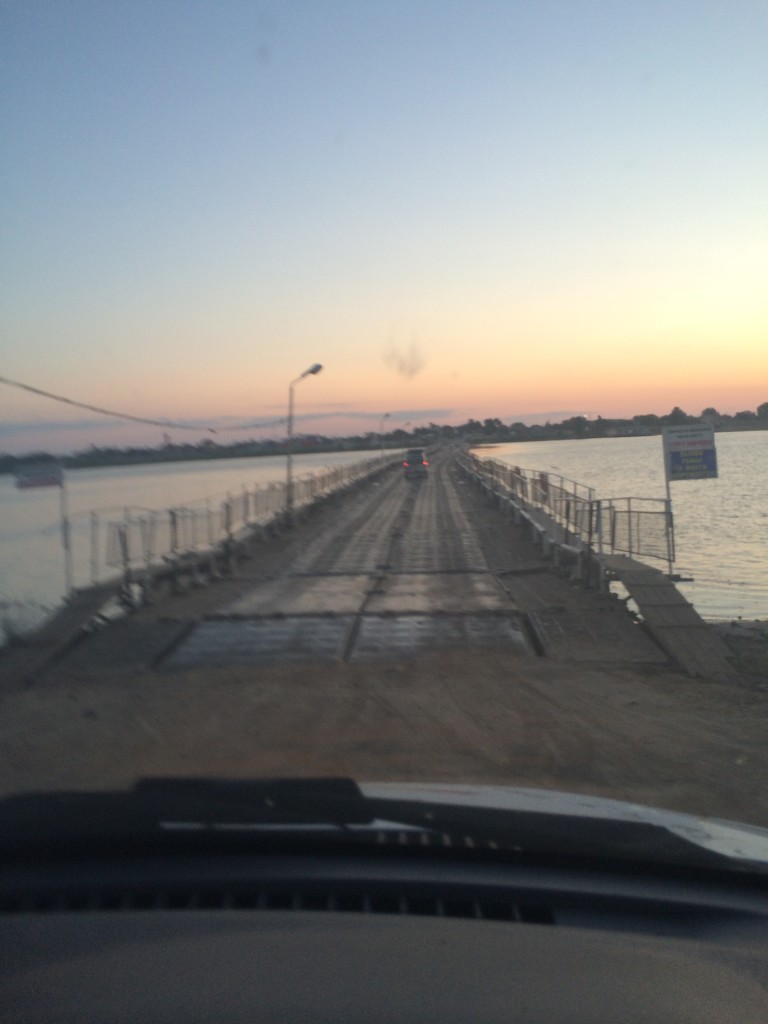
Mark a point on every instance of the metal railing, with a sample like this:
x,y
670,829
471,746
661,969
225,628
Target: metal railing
x,y
144,538
633,526
639,526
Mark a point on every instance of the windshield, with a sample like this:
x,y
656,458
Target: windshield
x,y
385,396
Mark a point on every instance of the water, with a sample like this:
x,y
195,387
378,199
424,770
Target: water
x,y
32,581
721,525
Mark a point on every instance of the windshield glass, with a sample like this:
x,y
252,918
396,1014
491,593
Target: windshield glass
x,y
385,395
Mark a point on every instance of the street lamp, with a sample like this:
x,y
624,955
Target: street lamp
x,y
381,427
314,369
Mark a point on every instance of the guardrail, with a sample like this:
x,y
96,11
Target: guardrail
x,y
568,518
141,544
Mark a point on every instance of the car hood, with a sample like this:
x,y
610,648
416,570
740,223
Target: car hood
x,y
221,813
735,840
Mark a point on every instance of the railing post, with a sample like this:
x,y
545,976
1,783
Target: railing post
x,y
146,539
567,517
94,547
66,538
209,523
228,518
600,552
122,536
611,526
173,530
670,532
629,525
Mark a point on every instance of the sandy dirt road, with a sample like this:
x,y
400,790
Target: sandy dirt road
x,y
351,646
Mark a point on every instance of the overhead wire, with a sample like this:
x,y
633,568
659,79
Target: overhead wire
x,y
136,419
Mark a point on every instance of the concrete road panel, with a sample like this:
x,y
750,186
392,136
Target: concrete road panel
x,y
392,637
262,642
460,592
303,595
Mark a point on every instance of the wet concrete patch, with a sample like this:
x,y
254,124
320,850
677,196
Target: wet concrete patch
x,y
344,637
261,642
428,593
382,637
341,594
605,634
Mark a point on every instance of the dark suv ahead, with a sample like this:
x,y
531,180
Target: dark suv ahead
x,y
415,463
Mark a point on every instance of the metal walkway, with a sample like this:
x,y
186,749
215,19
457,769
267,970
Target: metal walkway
x,y
674,624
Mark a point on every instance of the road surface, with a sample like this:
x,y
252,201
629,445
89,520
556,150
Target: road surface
x,y
405,631
396,571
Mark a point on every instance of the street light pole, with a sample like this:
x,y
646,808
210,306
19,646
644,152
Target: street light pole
x,y
314,369
381,428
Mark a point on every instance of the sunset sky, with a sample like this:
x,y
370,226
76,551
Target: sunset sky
x,y
460,208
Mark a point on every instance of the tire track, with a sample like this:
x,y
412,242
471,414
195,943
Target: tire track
x,y
439,536
358,539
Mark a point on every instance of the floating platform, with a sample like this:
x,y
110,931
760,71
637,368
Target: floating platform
x,y
672,621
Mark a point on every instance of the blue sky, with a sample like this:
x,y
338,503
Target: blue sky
x,y
535,206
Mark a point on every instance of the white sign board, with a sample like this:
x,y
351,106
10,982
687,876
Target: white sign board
x,y
689,452
39,474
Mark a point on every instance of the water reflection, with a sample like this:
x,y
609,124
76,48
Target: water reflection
x,y
721,526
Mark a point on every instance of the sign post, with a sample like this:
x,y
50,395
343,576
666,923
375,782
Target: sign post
x,y
689,454
49,473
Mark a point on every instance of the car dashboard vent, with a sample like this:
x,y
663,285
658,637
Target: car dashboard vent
x,y
381,900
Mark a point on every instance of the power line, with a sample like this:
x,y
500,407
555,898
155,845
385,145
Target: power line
x,y
135,419
99,409
250,426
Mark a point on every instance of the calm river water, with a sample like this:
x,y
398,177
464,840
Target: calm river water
x,y
721,525
32,578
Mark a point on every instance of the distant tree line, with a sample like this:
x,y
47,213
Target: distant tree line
x,y
643,424
471,432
